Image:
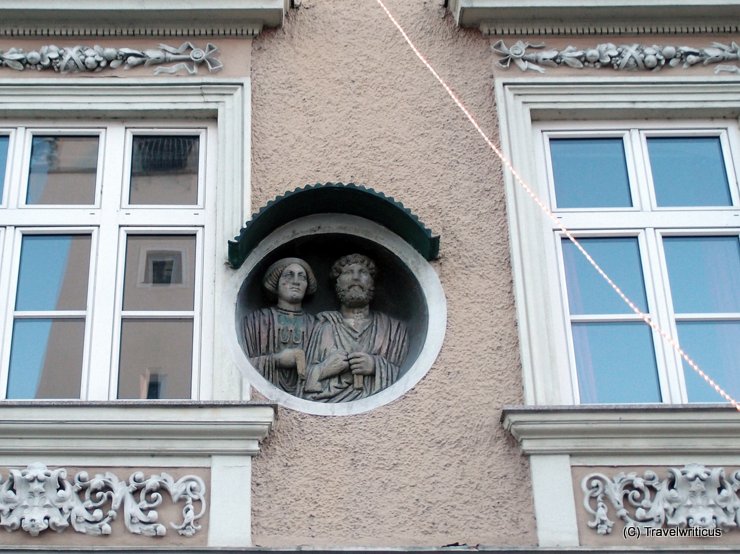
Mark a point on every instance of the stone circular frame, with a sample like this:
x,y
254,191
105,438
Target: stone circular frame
x,y
407,288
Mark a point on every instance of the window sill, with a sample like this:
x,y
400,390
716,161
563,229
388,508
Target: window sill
x,y
136,18
634,430
563,17
132,428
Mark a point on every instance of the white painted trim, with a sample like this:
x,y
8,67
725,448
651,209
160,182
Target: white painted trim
x,y
554,503
617,432
138,18
349,225
123,429
230,517
569,17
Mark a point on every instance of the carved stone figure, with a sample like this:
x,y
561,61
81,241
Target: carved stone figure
x,y
354,352
276,337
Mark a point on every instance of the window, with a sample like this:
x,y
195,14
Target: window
x,y
658,207
104,232
661,215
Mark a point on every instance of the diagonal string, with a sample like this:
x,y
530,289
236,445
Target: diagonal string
x,y
556,221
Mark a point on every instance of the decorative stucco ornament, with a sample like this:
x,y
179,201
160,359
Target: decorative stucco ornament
x,y
633,57
74,59
693,496
38,498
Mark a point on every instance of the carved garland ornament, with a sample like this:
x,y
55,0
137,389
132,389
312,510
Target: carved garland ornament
x,y
96,58
38,498
694,496
632,57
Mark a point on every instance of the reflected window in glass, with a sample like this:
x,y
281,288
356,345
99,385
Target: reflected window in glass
x,y
164,170
63,170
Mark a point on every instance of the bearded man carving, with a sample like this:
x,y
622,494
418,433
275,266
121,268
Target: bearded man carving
x,y
354,352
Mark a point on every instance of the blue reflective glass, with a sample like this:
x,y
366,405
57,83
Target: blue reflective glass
x,y
590,173
46,358
715,347
588,293
689,171
53,272
3,162
615,363
704,273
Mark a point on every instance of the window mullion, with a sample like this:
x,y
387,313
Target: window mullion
x,y
103,288
655,281
7,263
673,362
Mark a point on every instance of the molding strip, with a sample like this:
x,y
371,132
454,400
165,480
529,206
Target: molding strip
x,y
248,30
36,429
638,429
492,28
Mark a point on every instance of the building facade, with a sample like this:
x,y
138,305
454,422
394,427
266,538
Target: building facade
x,y
159,160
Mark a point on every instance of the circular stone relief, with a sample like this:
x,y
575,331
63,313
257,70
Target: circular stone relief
x,y
335,315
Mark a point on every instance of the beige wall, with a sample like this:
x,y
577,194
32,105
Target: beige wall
x,y
338,96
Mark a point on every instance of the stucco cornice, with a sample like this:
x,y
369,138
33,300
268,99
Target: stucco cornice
x,y
161,18
614,17
628,430
37,429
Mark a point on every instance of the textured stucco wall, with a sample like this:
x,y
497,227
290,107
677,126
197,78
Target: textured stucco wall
x,y
338,96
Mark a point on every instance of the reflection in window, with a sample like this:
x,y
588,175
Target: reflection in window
x,y
159,272
3,162
163,268
164,170
590,173
704,273
63,170
53,272
615,360
163,344
46,358
46,352
688,171
615,363
588,293
704,276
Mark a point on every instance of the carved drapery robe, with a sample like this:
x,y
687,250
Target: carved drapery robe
x,y
272,330
385,339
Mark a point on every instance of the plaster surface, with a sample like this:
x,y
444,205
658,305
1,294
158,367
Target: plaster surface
x,y
338,96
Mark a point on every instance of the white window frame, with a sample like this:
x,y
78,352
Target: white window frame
x,y
523,103
223,101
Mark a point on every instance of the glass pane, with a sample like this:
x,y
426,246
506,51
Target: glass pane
x,y
46,358
53,272
3,162
704,273
689,171
164,170
588,292
715,347
156,358
590,173
615,363
160,272
63,170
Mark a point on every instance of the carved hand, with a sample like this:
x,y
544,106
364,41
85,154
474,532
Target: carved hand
x,y
361,363
334,364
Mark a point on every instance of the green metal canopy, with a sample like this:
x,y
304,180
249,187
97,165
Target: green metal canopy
x,y
333,198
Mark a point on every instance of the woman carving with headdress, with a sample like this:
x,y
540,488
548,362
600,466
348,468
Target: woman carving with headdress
x,y
276,337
